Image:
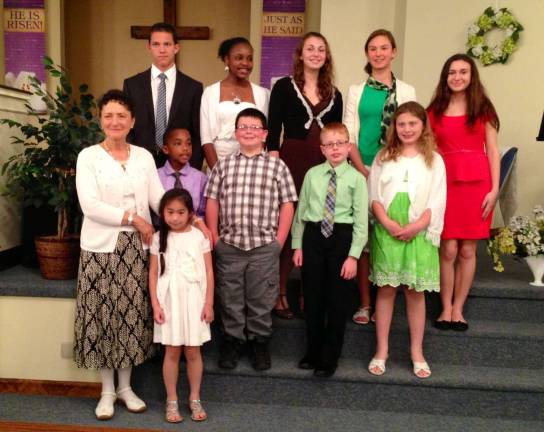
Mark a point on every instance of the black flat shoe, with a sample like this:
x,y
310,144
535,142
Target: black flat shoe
x,y
307,363
324,371
459,326
443,325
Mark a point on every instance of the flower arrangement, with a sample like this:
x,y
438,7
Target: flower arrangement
x,y
523,237
493,19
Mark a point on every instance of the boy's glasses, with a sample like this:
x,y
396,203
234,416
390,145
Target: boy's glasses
x,y
331,144
249,127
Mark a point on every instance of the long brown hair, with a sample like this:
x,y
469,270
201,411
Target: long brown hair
x,y
479,105
375,33
325,80
393,145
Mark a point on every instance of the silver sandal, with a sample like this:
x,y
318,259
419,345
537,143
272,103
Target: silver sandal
x,y
197,412
172,414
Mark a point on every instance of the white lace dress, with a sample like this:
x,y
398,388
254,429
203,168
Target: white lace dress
x,y
181,290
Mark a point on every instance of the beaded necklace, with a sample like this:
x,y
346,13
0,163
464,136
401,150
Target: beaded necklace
x,y
123,163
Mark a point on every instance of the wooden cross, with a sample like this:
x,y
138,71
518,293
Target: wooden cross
x,y
169,8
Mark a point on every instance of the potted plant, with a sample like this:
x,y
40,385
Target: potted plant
x,y
43,173
524,238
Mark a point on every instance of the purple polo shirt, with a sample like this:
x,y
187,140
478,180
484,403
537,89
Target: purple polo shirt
x,y
191,179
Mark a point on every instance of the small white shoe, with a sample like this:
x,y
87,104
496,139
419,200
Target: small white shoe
x,y
376,367
422,369
104,410
362,316
133,403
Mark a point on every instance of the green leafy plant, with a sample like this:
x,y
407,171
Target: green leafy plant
x,y
44,172
522,237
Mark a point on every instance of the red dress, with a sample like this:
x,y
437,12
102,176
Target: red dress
x,y
468,176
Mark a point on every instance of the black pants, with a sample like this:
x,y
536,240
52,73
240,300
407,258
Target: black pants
x,y
325,291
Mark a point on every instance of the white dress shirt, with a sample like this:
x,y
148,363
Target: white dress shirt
x,y
170,86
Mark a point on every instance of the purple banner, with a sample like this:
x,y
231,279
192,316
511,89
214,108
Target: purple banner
x,y
24,41
282,28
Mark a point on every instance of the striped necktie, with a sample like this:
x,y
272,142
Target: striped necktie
x,y
327,223
160,115
177,182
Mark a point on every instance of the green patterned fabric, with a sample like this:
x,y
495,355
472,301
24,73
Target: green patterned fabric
x,y
394,262
390,104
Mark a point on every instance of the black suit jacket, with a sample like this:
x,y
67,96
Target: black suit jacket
x,y
184,112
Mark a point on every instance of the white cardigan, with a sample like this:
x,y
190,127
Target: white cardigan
x,y
209,116
100,193
426,188
405,93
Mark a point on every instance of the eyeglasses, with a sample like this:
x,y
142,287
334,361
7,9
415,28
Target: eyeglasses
x,y
331,144
249,127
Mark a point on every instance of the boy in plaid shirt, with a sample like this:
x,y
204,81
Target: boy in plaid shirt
x,y
249,212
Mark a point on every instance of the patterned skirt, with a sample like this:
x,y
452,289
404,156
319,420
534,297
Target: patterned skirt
x,y
114,321
394,262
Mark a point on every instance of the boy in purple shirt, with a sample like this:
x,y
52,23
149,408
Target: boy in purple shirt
x,y
177,172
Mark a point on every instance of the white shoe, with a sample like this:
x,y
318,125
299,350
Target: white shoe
x,y
133,403
362,316
104,410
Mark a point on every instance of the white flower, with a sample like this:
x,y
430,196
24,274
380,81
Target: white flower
x,y
509,32
473,30
497,52
477,50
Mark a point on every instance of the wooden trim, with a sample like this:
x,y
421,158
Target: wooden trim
x,y
50,388
15,89
11,426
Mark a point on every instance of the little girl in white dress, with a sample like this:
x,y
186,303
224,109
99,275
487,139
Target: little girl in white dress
x,y
181,287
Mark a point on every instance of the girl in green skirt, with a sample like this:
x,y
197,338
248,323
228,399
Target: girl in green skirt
x,y
407,197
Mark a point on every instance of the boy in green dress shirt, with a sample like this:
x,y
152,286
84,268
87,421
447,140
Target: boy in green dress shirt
x,y
328,235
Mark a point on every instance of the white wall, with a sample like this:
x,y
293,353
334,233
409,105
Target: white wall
x,y
33,332
346,25
429,31
12,106
435,30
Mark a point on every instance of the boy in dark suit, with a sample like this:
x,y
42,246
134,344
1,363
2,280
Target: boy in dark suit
x,y
164,97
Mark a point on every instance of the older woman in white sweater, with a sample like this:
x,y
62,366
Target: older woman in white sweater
x,y
116,184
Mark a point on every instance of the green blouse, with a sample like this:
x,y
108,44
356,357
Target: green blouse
x,y
370,117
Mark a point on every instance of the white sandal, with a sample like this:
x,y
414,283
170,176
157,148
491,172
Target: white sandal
x,y
422,367
362,316
105,410
376,364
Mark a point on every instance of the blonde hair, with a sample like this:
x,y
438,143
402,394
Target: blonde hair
x,y
426,143
334,127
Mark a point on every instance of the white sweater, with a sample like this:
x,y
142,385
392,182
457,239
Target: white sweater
x,y
100,193
405,93
426,188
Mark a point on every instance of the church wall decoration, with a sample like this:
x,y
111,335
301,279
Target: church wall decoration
x,y
282,27
24,42
493,19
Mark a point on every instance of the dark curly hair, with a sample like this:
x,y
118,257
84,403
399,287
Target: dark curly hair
x,y
119,96
228,44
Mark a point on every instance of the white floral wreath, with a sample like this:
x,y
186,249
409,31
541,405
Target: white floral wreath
x,y
491,19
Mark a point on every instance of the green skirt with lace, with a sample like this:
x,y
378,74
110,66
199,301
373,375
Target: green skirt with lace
x,y
394,262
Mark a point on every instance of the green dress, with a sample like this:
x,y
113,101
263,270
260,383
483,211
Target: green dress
x,y
394,262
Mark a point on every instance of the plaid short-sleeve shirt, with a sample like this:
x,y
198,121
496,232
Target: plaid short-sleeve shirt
x,y
250,191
